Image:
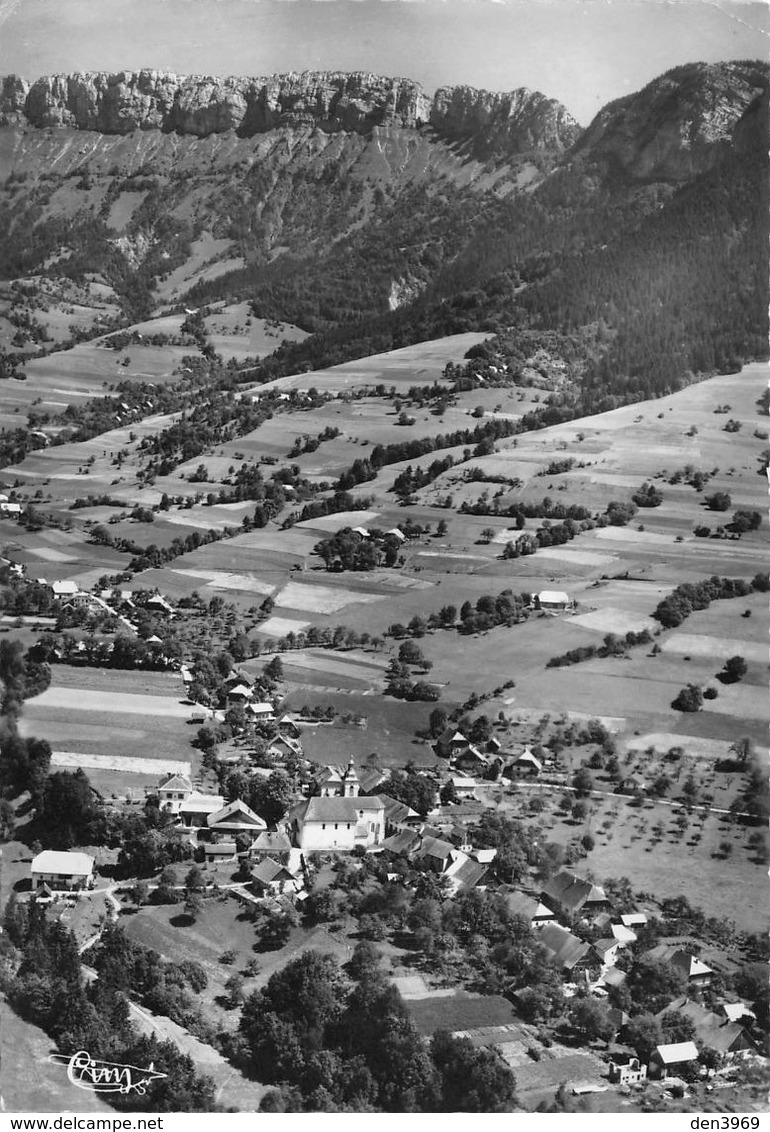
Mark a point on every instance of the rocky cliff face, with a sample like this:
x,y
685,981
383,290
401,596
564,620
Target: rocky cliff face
x,y
679,125
357,102
518,122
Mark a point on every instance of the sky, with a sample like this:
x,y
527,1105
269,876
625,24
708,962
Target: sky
x,y
582,52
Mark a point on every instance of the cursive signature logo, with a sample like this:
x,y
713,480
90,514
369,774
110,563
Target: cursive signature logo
x,y
97,1076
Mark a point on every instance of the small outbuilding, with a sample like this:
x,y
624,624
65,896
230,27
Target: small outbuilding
x,y
670,1059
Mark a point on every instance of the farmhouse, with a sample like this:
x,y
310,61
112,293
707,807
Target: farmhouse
x,y
667,1059
272,843
262,712
735,1011
272,877
551,601
528,908
471,759
525,765
194,811
437,854
697,973
463,787
283,746
10,509
220,851
571,953
728,1038
239,694
236,817
464,873
401,842
62,872
64,589
450,743
398,815
337,823
158,604
570,895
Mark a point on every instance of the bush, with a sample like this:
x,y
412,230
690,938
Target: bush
x,y
689,699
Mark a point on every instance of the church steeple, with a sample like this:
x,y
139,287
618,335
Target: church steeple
x,y
350,783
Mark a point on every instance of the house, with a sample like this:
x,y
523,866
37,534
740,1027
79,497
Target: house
x,y
472,760
614,977
633,919
270,877
283,747
398,815
238,676
362,531
627,1070
239,694
336,782
569,952
735,1011
551,601
288,727
464,787
450,743
10,509
401,842
158,604
670,1059
371,777
494,746
172,791
337,823
263,712
396,533
697,973
729,1038
64,589
528,907
607,951
436,853
625,936
62,872
570,895
464,873
273,843
194,811
218,851
525,765
236,817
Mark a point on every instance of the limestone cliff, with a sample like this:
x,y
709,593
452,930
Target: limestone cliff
x,y
517,122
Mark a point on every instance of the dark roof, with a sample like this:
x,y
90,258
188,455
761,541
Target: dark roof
x,y
397,811
268,871
371,777
220,849
565,948
435,847
524,905
711,1029
469,874
401,842
571,891
272,841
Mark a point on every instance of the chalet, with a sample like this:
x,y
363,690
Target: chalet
x,y
64,589
62,872
220,851
270,877
287,726
729,1038
471,760
627,1070
337,823
528,908
283,747
670,1059
570,953
464,787
571,895
450,743
551,601
396,533
697,973
239,694
158,604
494,746
606,951
236,817
525,765
238,676
196,808
172,791
263,712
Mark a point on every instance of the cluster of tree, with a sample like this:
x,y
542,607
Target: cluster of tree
x,y
22,675
122,652
412,479
349,550
688,597
332,505
45,985
312,443
483,436
648,495
399,682
347,1044
612,645
152,556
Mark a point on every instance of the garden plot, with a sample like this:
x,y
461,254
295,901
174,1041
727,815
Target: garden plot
x,y
121,763
48,554
716,648
631,536
612,620
321,599
123,703
741,701
223,580
567,553
280,626
701,748
340,520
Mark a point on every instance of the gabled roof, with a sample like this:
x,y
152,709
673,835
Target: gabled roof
x,y
237,815
565,948
199,803
526,758
572,892
269,872
711,1029
371,777
452,735
64,863
676,1053
631,919
682,959
475,754
240,690
401,842
220,849
263,708
603,946
175,782
623,934
526,906
615,977
734,1011
396,811
64,588
272,841
552,597
465,873
435,847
